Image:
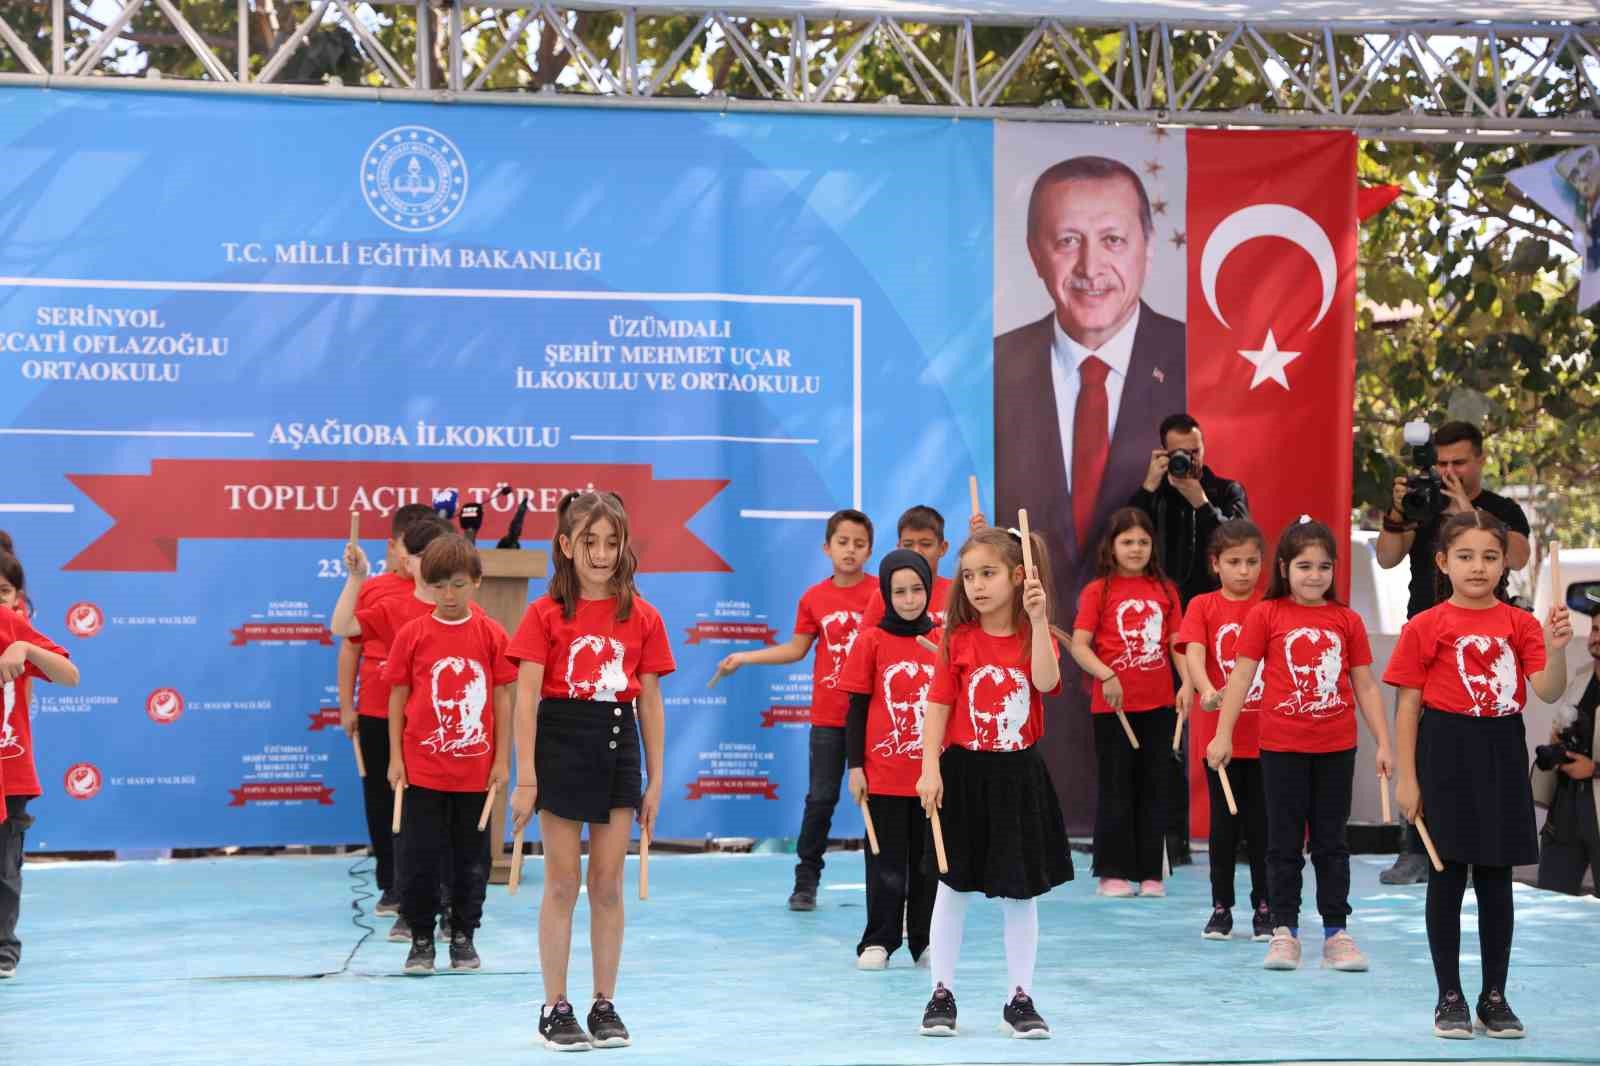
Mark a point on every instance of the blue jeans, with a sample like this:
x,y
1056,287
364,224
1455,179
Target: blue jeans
x,y
827,774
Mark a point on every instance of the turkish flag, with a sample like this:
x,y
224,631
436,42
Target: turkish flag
x,y
1271,330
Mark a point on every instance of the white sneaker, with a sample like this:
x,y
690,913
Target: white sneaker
x,y
872,957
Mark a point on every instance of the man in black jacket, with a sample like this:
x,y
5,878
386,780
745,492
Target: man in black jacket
x,y
1186,506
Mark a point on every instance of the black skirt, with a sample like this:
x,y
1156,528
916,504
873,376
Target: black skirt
x,y
586,758
1003,832
1476,801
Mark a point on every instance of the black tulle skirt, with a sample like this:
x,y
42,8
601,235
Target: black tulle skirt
x,y
1003,832
1476,801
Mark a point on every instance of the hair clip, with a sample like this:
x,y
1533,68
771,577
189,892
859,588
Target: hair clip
x,y
1016,534
1305,518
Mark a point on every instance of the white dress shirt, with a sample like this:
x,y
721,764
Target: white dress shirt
x,y
1066,356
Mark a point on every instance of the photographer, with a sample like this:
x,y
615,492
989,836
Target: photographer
x,y
1456,451
1187,502
1571,837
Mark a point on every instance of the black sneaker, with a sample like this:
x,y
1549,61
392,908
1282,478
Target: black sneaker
x,y
420,960
400,931
1408,869
388,904
1497,1017
559,1029
1261,924
940,1017
1022,1019
1450,1018
605,1028
463,956
8,968
1220,927
803,899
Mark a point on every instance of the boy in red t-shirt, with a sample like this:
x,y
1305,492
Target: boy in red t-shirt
x,y
450,739
363,712
832,609
24,654
921,530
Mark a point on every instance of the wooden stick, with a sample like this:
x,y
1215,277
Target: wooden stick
x,y
1060,634
1128,729
1027,543
399,799
972,486
1383,793
1427,842
516,861
1227,790
1177,733
488,806
1558,594
355,527
928,644
361,764
644,865
938,842
872,832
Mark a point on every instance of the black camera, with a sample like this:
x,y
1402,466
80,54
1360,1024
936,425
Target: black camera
x,y
1180,463
1568,743
1424,496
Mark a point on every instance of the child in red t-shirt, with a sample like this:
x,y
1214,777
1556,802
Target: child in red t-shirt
x,y
450,745
25,654
587,653
368,614
887,677
1209,636
1462,669
921,530
364,711
832,609
1124,639
1318,670
1003,832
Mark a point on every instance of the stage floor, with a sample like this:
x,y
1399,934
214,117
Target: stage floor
x,y
258,961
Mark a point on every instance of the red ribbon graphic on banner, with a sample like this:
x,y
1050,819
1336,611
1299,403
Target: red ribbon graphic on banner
x,y
785,714
268,499
739,632
263,791
732,786
325,718
279,632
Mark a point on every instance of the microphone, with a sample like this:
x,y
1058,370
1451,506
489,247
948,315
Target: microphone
x,y
444,503
471,518
513,537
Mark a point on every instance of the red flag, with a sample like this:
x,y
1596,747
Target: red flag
x,y
1370,199
1271,329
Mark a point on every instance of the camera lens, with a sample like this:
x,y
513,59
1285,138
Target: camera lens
x,y
1179,464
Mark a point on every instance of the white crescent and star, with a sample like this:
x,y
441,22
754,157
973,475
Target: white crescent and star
x,y
1268,220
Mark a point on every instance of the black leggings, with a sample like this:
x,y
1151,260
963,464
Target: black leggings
x,y
1445,893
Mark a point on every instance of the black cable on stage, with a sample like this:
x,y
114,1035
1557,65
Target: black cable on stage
x,y
362,890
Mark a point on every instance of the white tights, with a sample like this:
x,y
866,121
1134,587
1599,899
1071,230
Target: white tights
x,y
1021,917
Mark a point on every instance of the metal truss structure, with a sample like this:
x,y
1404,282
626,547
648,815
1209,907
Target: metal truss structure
x,y
1482,81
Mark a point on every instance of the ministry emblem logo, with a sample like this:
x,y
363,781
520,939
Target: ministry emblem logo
x,y
414,178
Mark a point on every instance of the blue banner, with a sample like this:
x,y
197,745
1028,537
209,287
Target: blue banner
x,y
227,321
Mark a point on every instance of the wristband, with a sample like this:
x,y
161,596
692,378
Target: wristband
x,y
1392,526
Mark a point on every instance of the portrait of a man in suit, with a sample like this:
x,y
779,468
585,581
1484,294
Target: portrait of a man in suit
x,y
1078,395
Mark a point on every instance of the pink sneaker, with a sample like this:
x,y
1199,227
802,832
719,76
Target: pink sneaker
x,y
1152,888
1114,887
1284,952
1339,952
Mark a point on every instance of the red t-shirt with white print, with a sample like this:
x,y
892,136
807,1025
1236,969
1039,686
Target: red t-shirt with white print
x,y
987,683
833,616
897,673
453,669
592,656
938,604
1471,662
1215,623
1307,703
372,692
16,730
1134,620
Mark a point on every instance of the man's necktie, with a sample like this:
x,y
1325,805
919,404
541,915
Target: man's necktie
x,y
1091,443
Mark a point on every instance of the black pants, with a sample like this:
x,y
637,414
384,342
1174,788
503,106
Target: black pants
x,y
1571,839
822,796
1130,823
899,894
12,831
1308,792
1178,802
434,824
1492,884
373,736
1561,867
1226,829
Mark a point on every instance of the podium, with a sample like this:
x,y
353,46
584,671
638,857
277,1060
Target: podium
x,y
504,597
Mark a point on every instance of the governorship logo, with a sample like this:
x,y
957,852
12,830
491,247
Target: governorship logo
x,y
414,178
